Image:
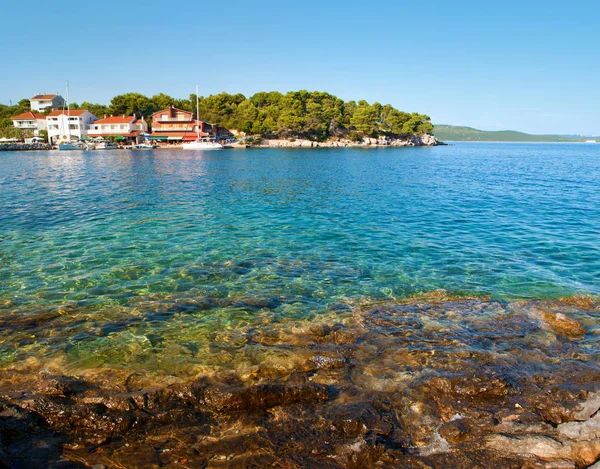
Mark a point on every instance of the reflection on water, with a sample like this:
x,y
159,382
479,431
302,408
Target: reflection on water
x,y
121,257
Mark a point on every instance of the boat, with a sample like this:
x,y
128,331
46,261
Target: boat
x,y
201,143
71,146
591,141
145,145
101,144
67,143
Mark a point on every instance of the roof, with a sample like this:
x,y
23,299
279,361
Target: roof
x,y
29,116
174,134
116,120
44,96
74,112
135,133
172,108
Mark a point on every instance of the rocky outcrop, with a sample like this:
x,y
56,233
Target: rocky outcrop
x,y
411,141
432,382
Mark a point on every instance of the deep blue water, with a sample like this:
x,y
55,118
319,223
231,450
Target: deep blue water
x,y
510,220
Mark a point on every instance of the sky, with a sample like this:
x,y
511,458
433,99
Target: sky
x,y
522,65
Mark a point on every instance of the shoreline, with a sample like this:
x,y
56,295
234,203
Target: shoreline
x,y
414,140
423,382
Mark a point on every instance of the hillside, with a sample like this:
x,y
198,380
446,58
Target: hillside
x,y
468,134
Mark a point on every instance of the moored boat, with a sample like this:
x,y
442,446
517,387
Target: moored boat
x,y
201,143
71,146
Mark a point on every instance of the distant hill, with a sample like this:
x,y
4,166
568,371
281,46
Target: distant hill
x,y
468,134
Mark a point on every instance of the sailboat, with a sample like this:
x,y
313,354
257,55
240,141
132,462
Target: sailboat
x,y
199,143
67,144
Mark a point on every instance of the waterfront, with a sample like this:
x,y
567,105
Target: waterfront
x,y
299,267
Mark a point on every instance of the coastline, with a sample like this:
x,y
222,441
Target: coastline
x,y
413,140
370,384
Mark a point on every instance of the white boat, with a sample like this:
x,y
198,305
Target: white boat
x,y
201,143
67,143
591,141
105,145
71,146
144,146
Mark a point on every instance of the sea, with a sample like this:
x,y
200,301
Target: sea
x,y
142,258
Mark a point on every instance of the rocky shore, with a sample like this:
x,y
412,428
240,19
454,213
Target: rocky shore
x,y
24,146
413,140
435,382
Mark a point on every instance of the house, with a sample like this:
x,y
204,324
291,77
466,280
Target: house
x,y
42,102
125,128
173,125
30,121
65,125
177,125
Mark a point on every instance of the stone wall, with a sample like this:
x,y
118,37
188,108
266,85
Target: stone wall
x,y
24,146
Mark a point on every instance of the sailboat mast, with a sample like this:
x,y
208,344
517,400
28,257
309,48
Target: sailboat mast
x,y
68,113
197,115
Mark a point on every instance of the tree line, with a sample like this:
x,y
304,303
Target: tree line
x,y
313,115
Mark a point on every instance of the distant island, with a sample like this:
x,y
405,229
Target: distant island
x,y
468,134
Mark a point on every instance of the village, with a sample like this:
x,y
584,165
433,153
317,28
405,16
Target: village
x,y
170,127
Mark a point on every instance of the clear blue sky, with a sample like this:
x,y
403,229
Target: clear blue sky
x,y
526,65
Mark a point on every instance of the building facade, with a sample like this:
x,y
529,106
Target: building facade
x,y
173,125
176,125
126,128
65,126
43,102
30,121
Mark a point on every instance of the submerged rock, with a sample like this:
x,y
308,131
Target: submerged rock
x,y
562,324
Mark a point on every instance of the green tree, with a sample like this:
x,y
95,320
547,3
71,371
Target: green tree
x,y
132,103
99,110
163,101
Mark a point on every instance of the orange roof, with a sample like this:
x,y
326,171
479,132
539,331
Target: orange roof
x,y
116,120
173,108
74,112
29,116
135,133
44,96
174,134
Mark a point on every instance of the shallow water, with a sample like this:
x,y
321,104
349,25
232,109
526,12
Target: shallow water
x,y
115,258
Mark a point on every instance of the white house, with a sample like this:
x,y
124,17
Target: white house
x,y
33,121
64,127
128,128
41,102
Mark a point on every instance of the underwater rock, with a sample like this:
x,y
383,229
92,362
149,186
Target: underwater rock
x,y
563,325
455,431
437,382
262,397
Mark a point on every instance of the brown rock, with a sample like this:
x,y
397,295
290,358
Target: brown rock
x,y
563,325
264,396
455,431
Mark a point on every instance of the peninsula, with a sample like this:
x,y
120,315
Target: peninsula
x,y
297,118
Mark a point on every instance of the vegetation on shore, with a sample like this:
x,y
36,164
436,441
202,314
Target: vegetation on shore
x,y
312,115
468,134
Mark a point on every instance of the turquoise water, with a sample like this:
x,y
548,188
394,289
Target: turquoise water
x,y
123,242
